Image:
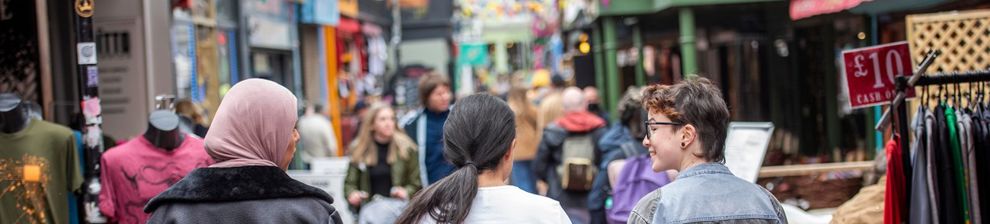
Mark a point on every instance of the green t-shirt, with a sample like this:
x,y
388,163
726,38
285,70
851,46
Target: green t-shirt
x,y
39,168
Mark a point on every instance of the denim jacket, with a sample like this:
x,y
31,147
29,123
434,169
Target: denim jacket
x,y
708,193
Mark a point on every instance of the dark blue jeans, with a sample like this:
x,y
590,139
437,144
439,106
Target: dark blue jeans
x,y
522,176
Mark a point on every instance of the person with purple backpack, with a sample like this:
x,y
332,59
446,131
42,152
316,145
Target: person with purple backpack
x,y
621,142
686,132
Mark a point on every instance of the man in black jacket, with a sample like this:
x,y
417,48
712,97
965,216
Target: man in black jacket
x,y
568,153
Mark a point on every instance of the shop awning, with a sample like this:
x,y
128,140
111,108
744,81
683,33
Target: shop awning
x,y
807,8
884,6
633,7
801,9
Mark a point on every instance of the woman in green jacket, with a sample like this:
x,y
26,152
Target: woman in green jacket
x,y
383,160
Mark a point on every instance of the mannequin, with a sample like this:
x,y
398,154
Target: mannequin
x,y
13,116
163,130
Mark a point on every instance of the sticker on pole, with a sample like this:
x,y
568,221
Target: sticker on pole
x,y
86,53
871,72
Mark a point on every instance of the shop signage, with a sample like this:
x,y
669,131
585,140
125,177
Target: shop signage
x,y
269,33
870,73
348,8
801,9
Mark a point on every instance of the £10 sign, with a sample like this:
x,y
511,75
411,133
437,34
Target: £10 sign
x,y
871,72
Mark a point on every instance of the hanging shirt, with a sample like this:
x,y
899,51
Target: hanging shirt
x,y
920,211
894,196
381,173
969,159
39,167
948,198
930,143
982,141
957,160
136,171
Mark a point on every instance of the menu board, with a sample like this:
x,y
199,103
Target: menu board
x,y
745,147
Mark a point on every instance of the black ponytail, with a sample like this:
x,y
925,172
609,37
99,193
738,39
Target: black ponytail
x,y
476,135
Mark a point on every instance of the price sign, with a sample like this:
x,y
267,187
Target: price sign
x,y
871,72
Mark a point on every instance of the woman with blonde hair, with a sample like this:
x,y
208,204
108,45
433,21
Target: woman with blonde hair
x,y
384,161
527,139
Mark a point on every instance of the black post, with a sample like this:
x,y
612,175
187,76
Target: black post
x,y
904,141
89,93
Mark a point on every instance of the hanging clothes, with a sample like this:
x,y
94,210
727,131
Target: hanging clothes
x,y
921,213
894,196
969,158
40,168
982,153
956,148
136,171
930,144
948,198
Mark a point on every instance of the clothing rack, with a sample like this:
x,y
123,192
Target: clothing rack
x,y
919,79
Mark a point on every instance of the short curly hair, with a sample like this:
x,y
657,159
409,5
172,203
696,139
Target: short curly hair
x,y
694,101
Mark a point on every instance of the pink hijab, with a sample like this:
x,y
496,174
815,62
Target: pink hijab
x,y
253,125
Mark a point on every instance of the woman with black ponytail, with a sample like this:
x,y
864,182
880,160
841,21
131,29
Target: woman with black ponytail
x,y
478,138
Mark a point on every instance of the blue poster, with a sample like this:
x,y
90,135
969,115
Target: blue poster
x,y
322,12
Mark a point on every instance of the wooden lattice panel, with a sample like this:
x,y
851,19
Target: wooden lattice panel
x,y
963,37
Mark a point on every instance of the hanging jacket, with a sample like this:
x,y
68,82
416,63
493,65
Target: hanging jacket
x,y
948,198
894,195
957,161
920,210
930,142
969,159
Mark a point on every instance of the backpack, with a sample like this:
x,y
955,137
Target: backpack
x,y
636,180
577,168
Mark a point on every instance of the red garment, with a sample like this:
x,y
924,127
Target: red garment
x,y
580,121
894,197
136,171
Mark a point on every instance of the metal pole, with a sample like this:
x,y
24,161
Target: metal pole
x,y
877,143
89,93
904,141
396,33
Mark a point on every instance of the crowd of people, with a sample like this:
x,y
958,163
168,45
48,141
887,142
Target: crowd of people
x,y
476,159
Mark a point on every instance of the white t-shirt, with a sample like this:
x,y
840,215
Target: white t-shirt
x,y
509,204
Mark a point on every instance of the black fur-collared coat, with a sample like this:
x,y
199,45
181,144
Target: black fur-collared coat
x,y
251,194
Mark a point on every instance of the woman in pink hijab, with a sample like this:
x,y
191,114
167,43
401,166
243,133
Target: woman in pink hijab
x,y
252,139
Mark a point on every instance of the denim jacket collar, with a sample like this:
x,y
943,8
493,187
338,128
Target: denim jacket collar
x,y
704,168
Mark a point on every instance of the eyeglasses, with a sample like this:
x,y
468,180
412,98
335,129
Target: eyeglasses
x,y
649,133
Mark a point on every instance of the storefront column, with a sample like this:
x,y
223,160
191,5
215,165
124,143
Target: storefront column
x,y
597,52
333,94
637,36
297,85
689,55
501,57
611,64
